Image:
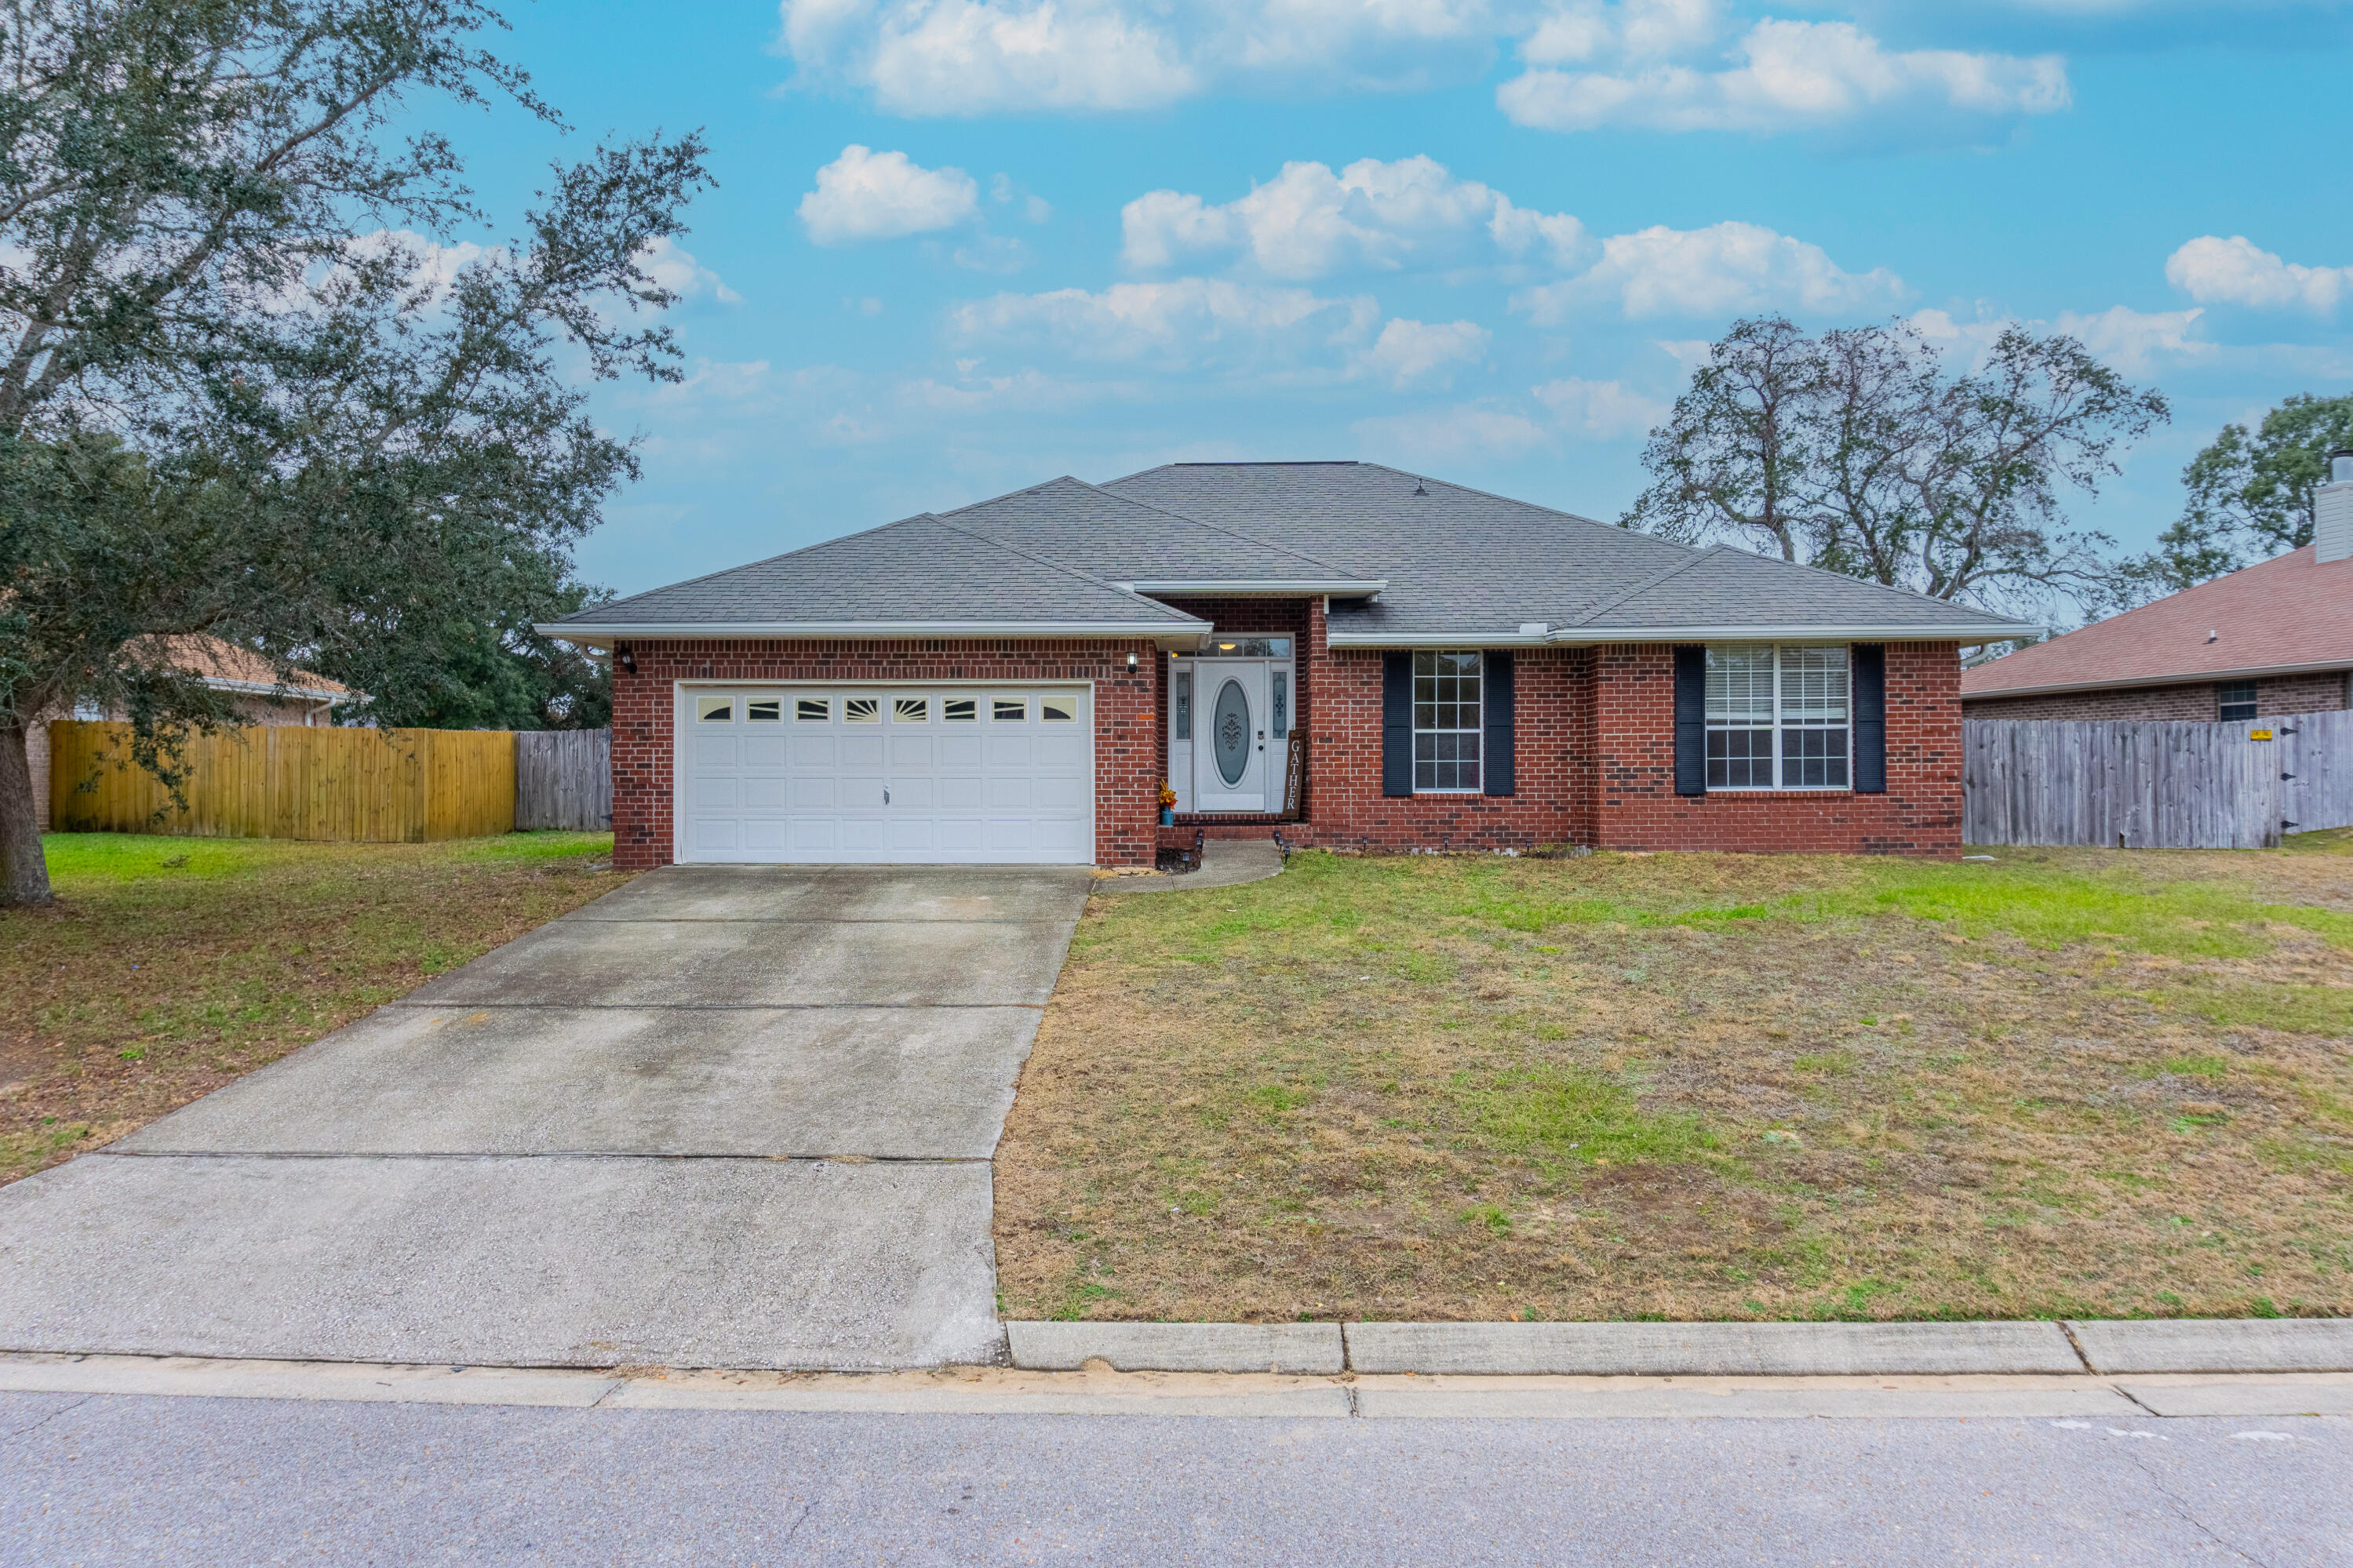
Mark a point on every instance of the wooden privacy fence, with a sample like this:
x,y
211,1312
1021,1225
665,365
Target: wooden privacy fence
x,y
378,786
564,778
2154,785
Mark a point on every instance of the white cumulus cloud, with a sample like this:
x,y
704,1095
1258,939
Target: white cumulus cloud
x,y
673,267
1308,223
866,195
2236,271
1471,431
2125,338
1725,270
1664,64
1407,352
1603,410
1782,76
1186,323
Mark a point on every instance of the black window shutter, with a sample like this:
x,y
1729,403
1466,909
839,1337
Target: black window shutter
x,y
1870,662
1495,693
1396,723
1691,721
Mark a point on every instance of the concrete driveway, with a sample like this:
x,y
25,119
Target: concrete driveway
x,y
724,1116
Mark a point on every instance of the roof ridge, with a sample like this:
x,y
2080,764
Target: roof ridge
x,y
1492,495
1211,527
1647,583
1087,577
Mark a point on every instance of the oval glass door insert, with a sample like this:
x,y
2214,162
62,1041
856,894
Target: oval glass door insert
x,y
1230,734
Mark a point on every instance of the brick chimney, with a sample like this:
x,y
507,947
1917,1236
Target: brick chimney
x,y
2332,510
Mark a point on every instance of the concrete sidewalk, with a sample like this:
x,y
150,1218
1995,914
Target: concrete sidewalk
x,y
724,1116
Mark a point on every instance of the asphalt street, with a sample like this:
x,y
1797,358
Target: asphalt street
x,y
121,1480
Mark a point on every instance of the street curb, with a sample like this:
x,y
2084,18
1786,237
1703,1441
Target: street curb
x,y
1696,1349
2217,1344
1710,1350
1178,1347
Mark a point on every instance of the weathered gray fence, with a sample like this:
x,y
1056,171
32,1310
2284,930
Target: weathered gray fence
x,y
2154,785
564,778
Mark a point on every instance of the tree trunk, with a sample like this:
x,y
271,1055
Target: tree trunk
x,y
24,870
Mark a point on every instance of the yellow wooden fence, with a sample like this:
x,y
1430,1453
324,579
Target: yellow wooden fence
x,y
279,781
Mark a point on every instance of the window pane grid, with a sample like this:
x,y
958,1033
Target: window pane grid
x,y
1446,720
1778,716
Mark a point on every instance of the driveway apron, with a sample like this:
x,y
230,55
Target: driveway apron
x,y
724,1116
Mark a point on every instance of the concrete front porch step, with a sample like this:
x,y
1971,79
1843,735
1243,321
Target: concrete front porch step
x,y
1178,1347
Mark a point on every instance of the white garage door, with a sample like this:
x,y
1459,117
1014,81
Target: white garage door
x,y
979,774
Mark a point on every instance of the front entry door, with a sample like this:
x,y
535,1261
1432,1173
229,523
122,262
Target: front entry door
x,y
1230,755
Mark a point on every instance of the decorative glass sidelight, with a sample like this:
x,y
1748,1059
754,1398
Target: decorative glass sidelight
x,y
1184,704
1229,733
1279,704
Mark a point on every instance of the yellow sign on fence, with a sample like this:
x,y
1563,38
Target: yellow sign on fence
x,y
369,786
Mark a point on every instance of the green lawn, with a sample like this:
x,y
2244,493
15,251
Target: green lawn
x,y
169,965
1699,1087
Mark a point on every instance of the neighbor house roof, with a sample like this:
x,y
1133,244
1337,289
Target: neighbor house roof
x,y
1405,560
227,667
2287,615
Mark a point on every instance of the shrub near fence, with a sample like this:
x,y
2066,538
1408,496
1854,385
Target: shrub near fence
x,y
380,786
2155,786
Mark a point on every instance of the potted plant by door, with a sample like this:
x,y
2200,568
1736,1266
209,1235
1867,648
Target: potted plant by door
x,y
1168,804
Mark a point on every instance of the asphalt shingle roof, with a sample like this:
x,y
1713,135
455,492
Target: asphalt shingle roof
x,y
2292,611
922,569
1127,540
1459,562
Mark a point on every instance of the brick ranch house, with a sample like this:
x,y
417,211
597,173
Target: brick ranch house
x,y
2272,640
1350,655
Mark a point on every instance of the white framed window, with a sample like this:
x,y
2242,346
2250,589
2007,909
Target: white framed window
x,y
765,710
1446,715
714,710
912,710
1062,708
961,710
813,710
1779,717
862,709
1008,710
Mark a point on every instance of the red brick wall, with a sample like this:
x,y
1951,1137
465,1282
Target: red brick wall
x,y
1919,814
1594,753
1550,754
2197,701
1128,770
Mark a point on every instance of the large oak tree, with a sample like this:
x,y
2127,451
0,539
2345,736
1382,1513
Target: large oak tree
x,y
1863,451
242,392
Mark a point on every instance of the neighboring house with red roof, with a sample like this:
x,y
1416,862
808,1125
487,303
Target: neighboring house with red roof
x,y
2274,638
245,676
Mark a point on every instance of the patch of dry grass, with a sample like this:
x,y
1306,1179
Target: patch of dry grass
x,y
169,966
1698,1087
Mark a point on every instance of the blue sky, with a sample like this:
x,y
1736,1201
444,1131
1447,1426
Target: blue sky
x,y
960,246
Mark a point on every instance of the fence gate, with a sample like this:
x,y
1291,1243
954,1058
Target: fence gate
x,y
564,778
2154,785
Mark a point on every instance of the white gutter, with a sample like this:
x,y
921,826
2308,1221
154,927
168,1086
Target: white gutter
x,y
1580,636
589,635
1346,588
2127,682
289,693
